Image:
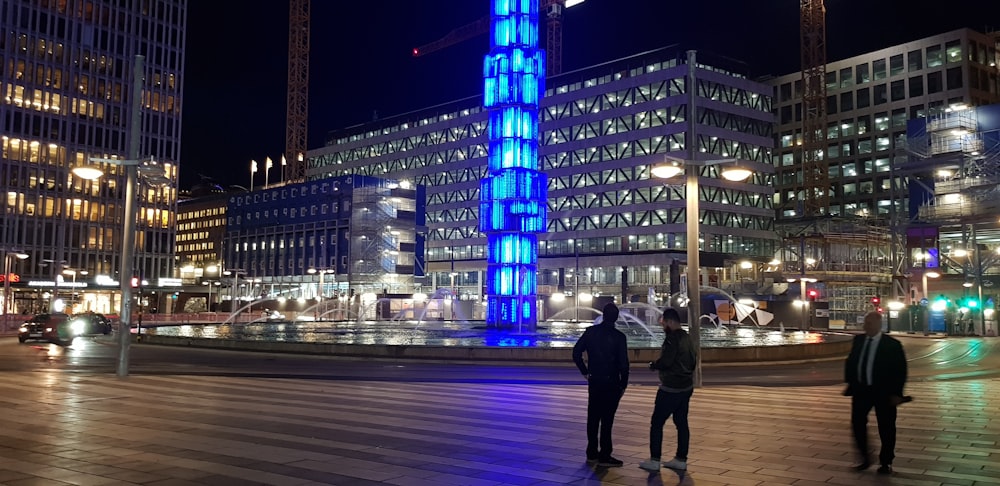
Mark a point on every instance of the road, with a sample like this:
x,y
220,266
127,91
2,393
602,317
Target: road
x,y
930,359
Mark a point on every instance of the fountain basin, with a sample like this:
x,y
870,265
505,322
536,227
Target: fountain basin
x,y
470,342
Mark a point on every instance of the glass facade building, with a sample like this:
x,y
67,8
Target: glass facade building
x,y
612,227
66,85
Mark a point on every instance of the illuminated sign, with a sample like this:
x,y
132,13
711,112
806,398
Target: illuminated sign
x,y
49,283
169,282
13,277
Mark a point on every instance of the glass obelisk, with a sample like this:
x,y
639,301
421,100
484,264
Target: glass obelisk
x,y
512,196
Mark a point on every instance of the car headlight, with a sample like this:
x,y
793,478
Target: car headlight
x,y
78,326
48,329
22,329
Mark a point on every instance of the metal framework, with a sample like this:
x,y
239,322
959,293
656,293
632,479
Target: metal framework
x,y
296,130
553,35
816,179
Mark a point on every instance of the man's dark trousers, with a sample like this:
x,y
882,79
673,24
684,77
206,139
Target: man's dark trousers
x,y
667,404
862,402
602,403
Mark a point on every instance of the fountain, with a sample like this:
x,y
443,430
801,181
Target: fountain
x,y
724,337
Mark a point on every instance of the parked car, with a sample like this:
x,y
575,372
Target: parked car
x,y
51,328
89,324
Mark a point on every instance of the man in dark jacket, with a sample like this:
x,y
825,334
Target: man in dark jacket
x,y
875,373
676,368
606,370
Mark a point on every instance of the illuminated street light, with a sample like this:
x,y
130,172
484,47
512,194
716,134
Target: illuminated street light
x,y
153,173
693,235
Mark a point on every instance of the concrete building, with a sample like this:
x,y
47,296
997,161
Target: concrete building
x,y
66,84
613,229
857,248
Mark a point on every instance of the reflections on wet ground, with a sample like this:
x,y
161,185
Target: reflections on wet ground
x,y
557,334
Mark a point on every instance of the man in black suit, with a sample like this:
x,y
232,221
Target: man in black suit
x,y
875,373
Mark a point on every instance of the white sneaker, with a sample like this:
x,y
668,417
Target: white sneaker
x,y
651,465
676,464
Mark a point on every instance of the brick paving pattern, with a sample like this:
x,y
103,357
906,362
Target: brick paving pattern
x,y
87,429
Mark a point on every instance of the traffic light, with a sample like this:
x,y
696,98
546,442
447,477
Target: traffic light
x,y
972,303
813,294
135,282
876,300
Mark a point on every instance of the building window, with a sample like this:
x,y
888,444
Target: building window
x,y
934,82
934,57
954,78
897,90
953,51
916,86
895,64
878,66
915,60
861,74
864,98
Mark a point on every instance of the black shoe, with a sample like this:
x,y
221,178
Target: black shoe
x,y
862,466
610,462
885,469
591,460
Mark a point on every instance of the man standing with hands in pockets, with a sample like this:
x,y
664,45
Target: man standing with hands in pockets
x,y
676,369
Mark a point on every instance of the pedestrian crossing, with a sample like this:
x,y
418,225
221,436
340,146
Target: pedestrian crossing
x,y
89,429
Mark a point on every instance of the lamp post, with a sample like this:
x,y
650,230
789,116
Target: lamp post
x,y
73,273
134,167
8,265
208,304
692,216
321,272
234,293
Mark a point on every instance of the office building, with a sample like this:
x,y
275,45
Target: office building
x,y
856,249
613,229
346,235
67,83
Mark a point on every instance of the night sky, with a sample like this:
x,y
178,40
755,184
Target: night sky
x,y
361,64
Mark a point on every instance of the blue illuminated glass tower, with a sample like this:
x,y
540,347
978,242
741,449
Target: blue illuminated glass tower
x,y
513,195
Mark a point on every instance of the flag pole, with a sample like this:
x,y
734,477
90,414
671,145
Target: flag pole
x,y
253,168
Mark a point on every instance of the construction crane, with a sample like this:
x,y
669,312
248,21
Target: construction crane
x,y
553,10
816,178
297,118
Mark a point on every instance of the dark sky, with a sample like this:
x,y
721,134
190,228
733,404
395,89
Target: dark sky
x,y
360,61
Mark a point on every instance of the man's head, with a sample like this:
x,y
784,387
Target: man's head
x,y
610,314
873,323
670,319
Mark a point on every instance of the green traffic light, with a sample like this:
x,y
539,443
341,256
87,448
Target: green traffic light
x,y
972,303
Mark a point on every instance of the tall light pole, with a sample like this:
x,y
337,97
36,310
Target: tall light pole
x,y
234,293
151,172
8,258
208,305
691,170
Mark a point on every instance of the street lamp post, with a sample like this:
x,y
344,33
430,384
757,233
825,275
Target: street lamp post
x,y
208,304
134,167
234,293
8,266
692,215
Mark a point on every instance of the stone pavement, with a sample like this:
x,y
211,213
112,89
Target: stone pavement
x,y
61,428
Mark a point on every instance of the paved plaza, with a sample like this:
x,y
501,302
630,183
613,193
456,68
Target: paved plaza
x,y
61,428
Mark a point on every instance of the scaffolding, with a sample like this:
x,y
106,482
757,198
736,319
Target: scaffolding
x,y
849,260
